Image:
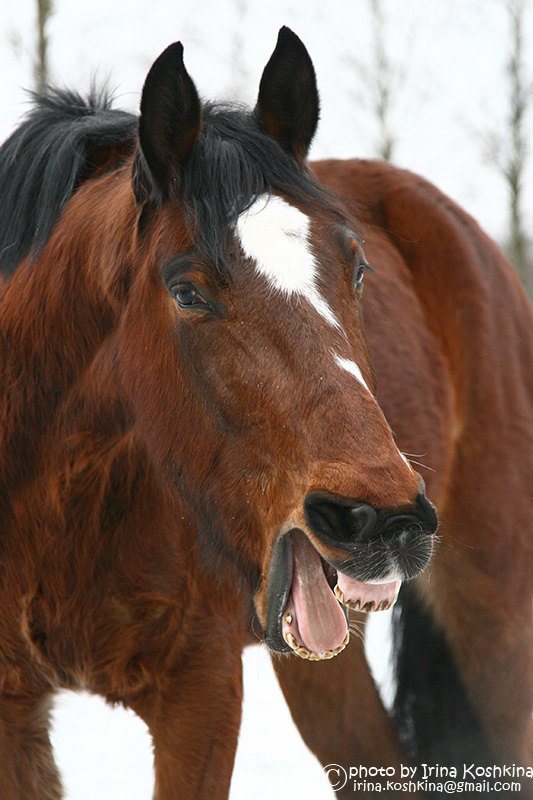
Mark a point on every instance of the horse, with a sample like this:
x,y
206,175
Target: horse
x,y
203,443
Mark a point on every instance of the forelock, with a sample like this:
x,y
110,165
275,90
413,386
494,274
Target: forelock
x,y
231,165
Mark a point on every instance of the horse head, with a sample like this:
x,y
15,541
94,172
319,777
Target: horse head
x,y
242,357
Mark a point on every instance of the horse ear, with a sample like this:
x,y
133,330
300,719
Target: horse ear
x,y
169,124
287,107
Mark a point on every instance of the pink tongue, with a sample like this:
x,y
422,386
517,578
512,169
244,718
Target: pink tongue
x,y
320,619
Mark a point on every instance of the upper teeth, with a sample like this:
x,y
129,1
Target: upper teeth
x,y
360,605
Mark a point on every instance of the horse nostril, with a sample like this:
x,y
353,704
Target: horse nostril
x,y
363,520
338,522
341,523
422,520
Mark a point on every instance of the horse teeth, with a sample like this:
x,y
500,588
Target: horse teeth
x,y
355,604
339,595
358,605
343,644
339,648
291,641
288,619
325,655
369,606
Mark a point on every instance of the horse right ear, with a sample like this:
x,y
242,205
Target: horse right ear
x,y
169,125
288,107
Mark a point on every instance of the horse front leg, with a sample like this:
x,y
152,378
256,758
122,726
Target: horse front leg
x,y
193,714
27,768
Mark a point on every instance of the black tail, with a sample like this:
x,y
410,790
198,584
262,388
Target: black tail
x,y
436,722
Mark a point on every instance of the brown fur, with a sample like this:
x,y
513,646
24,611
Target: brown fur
x,y
105,581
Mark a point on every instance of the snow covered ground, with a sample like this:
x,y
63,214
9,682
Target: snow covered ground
x,y
105,754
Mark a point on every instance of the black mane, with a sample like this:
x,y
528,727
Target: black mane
x,y
49,155
46,159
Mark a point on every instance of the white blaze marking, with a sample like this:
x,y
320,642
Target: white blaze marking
x,y
352,368
275,235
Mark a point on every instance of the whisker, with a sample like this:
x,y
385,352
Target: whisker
x,y
419,464
357,632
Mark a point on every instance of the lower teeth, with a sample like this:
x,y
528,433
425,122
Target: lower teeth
x,y
303,652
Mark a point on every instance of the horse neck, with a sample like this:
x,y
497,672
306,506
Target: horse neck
x,y
55,313
95,455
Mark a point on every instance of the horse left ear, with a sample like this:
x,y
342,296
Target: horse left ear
x,y
169,125
287,107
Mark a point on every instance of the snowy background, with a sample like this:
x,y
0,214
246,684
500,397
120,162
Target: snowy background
x,y
449,57
449,95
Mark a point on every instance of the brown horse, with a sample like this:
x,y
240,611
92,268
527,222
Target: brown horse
x,y
192,450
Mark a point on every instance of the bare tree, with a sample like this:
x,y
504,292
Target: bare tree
x,y
44,12
381,79
239,73
383,83
509,151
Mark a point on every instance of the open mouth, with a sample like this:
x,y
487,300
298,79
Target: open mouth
x,y
307,600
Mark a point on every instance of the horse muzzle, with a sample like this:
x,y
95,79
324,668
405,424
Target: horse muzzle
x,y
373,543
347,555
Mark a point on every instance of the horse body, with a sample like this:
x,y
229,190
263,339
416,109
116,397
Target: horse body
x,y
190,436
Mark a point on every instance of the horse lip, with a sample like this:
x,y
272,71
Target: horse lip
x,y
278,589
409,565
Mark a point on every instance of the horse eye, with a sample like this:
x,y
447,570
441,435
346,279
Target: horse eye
x,y
360,269
360,273
187,296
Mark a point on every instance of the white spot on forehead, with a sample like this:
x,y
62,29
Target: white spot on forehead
x,y
352,368
275,235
